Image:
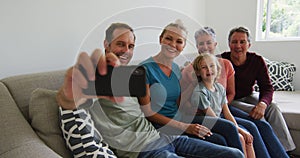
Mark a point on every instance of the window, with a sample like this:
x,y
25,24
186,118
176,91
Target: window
x,y
278,20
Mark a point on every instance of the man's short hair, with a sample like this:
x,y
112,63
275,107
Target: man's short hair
x,y
240,29
109,31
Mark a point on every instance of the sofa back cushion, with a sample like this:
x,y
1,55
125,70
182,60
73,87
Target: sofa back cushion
x,y
44,119
21,86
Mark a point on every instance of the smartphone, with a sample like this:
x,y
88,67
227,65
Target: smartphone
x,y
119,81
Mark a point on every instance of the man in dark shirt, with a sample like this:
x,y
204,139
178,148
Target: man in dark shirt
x,y
250,68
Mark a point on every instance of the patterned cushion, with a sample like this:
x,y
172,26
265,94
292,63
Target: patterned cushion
x,y
281,75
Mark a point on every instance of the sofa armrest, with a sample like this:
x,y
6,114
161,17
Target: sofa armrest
x,y
17,138
289,104
30,150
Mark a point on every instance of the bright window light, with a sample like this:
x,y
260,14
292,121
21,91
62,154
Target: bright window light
x,y
278,20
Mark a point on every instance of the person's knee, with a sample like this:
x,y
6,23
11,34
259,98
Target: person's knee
x,y
251,126
229,124
236,153
165,154
217,139
264,125
273,107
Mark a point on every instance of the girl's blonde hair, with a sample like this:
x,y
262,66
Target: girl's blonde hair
x,y
204,56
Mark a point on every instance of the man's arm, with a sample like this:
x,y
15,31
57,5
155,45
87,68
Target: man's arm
x,y
78,129
263,80
265,91
81,137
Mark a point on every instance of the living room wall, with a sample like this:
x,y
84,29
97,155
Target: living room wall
x,y
41,36
47,35
224,15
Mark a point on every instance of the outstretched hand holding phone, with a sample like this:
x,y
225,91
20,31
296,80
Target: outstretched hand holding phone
x,y
71,95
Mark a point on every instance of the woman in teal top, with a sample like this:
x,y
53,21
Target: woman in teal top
x,y
165,99
163,77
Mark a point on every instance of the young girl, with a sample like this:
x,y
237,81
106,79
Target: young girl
x,y
210,96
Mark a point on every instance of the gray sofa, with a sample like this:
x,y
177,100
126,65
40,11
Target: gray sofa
x,y
29,116
20,135
289,104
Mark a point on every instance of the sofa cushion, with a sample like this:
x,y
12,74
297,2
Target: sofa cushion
x,y
281,74
289,105
43,114
21,86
